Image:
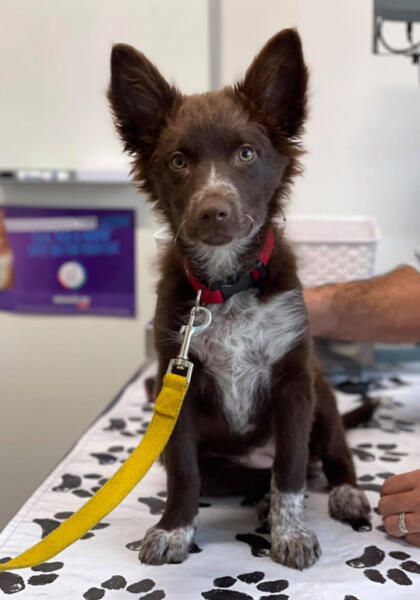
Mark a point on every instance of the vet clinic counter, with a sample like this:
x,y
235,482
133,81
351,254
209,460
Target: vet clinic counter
x,y
229,557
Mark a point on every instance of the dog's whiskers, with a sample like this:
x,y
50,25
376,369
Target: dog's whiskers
x,y
250,218
179,229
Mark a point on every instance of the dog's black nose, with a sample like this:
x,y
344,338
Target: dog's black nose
x,y
214,209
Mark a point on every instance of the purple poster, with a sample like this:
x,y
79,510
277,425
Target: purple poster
x,y
67,261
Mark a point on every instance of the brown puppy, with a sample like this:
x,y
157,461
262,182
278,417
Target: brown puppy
x,y
218,167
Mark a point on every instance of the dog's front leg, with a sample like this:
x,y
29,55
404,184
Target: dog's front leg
x,y
170,539
292,542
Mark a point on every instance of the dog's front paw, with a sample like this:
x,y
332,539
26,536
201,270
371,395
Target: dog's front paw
x,y
160,546
297,547
347,503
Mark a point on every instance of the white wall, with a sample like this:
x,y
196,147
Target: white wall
x,y
363,135
57,373
54,63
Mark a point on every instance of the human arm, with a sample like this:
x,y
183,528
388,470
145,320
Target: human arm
x,y
383,309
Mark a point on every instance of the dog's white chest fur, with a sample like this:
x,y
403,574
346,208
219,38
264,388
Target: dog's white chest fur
x,y
245,339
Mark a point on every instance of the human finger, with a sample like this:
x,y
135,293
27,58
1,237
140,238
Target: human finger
x,y
397,484
397,503
411,520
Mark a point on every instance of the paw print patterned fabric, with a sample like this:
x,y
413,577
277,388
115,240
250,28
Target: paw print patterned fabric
x,y
229,558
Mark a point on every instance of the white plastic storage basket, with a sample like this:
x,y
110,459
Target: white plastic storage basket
x,y
329,249
333,249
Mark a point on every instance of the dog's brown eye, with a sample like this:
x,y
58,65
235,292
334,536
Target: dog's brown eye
x,y
246,154
178,161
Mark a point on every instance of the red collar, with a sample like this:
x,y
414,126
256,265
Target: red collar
x,y
221,291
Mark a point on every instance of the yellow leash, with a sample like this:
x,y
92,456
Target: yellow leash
x,y
166,411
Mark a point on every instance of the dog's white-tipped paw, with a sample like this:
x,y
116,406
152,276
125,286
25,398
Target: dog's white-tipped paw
x,y
297,548
160,546
348,503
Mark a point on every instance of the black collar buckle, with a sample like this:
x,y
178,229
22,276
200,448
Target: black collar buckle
x,y
240,283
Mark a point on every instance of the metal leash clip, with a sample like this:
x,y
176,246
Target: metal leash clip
x,y
181,365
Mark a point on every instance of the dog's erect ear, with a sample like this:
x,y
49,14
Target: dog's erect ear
x,y
276,82
141,99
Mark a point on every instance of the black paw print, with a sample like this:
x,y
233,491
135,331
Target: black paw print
x,y
128,427
49,525
118,582
390,383
85,486
357,386
223,585
113,455
385,418
388,452
373,556
259,545
45,573
78,484
157,506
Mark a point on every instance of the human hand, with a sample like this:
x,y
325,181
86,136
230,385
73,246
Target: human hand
x,y
401,494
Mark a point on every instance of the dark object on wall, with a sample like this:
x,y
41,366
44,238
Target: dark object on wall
x,y
403,11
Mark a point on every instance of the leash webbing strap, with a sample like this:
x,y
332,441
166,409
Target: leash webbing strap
x,y
167,407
